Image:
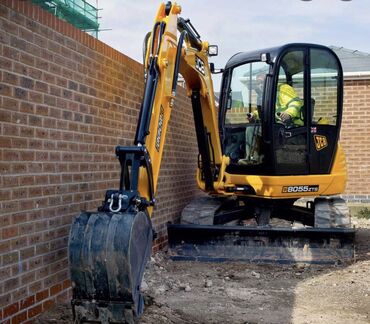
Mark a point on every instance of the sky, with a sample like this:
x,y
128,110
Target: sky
x,y
237,25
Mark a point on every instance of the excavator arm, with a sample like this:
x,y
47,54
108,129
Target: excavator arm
x,y
166,56
195,69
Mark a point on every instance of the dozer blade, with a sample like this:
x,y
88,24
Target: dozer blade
x,y
218,243
107,254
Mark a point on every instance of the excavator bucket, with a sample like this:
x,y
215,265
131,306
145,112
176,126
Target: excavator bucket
x,y
218,243
107,254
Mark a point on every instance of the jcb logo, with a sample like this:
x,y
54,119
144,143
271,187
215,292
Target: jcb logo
x,y
199,65
320,142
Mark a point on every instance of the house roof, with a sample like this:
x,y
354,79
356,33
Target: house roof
x,y
354,63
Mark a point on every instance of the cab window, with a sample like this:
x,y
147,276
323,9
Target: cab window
x,y
324,87
289,110
245,96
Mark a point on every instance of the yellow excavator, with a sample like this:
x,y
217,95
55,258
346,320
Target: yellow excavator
x,y
271,141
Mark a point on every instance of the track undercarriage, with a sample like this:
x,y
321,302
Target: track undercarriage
x,y
216,229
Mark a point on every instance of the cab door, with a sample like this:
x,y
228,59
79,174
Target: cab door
x,y
290,110
307,144
326,111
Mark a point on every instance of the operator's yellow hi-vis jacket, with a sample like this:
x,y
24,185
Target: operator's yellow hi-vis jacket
x,y
287,101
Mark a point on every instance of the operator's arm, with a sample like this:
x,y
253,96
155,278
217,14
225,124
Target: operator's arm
x,y
253,117
293,113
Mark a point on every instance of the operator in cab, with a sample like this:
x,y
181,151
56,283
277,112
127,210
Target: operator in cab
x,y
288,104
288,111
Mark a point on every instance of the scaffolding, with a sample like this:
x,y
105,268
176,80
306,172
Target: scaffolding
x,y
79,13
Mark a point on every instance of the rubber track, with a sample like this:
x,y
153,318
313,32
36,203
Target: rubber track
x,y
201,211
331,213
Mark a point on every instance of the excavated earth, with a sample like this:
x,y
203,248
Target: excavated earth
x,y
189,292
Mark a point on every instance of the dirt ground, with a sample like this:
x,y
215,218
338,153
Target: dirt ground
x,y
189,292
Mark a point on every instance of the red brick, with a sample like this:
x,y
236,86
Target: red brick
x,y
11,206
19,242
4,273
34,239
42,295
27,302
10,104
12,283
47,304
66,284
34,311
55,289
10,78
20,293
5,89
5,194
9,232
18,218
5,300
36,286
10,155
34,73
18,168
19,143
19,318
35,97
27,253
10,310
27,180
34,191
28,278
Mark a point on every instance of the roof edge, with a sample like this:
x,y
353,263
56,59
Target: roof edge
x,y
361,75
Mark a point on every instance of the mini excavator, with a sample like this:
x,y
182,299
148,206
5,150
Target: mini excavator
x,y
255,165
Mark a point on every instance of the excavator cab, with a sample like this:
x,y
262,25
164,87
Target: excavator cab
x,y
258,87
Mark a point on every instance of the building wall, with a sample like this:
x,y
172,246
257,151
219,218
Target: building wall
x,y
66,101
355,138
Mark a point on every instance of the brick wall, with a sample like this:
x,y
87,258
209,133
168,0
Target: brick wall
x,y
325,107
66,101
355,138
